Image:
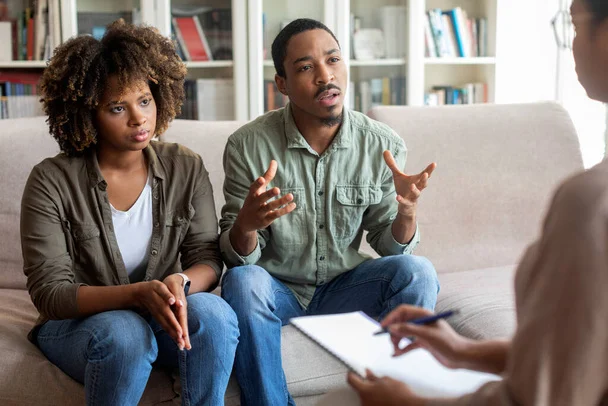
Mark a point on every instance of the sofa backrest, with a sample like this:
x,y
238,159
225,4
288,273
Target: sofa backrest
x,y
208,140
25,142
497,167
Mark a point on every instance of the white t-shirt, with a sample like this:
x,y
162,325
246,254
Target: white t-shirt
x,y
133,230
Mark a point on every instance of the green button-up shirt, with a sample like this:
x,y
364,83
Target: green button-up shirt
x,y
338,194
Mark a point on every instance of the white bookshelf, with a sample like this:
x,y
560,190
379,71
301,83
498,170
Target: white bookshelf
x,y
251,65
22,64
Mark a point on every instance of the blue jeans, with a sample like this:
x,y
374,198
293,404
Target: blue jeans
x,y
263,305
112,352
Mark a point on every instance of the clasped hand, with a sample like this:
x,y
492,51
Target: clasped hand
x,y
166,303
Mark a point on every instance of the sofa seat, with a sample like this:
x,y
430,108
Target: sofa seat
x,y
485,299
310,371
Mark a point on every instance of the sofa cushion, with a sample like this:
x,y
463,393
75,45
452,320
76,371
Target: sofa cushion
x,y
485,300
40,382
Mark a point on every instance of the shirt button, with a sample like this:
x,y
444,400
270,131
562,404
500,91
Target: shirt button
x,y
359,201
154,252
156,224
321,226
320,193
321,258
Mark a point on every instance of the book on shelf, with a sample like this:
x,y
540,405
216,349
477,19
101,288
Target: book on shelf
x,y
452,34
377,91
191,38
6,45
470,93
273,98
19,95
217,26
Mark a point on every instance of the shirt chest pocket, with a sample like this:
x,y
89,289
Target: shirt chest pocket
x,y
292,228
86,248
177,223
353,200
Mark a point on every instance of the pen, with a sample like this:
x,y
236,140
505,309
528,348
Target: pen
x,y
424,320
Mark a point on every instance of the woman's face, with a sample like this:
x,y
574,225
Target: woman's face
x,y
590,50
126,119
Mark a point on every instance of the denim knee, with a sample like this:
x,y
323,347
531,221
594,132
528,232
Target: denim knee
x,y
416,269
213,313
243,286
123,333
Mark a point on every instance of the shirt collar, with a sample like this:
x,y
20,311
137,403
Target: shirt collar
x,y
96,178
295,139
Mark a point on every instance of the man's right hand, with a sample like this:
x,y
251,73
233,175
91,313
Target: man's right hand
x,y
257,212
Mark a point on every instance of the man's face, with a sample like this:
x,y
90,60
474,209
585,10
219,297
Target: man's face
x,y
316,76
590,49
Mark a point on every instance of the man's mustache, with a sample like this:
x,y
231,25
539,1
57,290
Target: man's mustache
x,y
325,88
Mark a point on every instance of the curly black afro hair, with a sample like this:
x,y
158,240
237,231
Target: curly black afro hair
x,y
76,76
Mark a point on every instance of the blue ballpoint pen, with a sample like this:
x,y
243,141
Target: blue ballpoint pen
x,y
424,320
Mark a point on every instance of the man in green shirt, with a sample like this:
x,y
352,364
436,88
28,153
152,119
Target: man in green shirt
x,y
291,236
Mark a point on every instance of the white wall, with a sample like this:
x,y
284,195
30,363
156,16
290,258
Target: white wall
x,y
526,51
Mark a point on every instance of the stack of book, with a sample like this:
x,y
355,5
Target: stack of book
x,y
386,91
19,95
203,33
470,93
451,34
33,34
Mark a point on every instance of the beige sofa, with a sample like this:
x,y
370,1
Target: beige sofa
x,y
497,166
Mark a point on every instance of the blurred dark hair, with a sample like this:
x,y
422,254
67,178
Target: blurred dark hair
x,y
599,9
279,45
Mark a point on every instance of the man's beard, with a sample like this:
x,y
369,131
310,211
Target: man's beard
x,y
332,120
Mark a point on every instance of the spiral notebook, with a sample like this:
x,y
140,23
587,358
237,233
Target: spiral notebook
x,y
349,337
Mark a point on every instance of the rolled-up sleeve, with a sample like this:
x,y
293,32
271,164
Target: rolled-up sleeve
x,y
237,182
46,261
379,218
201,245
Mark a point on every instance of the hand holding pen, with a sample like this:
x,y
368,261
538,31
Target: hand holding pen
x,y
423,320
430,331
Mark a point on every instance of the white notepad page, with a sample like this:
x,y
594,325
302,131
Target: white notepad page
x,y
350,338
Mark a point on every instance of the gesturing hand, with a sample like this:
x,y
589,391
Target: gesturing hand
x,y
257,212
408,187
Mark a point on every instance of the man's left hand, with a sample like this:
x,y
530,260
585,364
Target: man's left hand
x,y
374,391
408,187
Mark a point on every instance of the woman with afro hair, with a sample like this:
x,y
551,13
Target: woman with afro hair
x,y
119,232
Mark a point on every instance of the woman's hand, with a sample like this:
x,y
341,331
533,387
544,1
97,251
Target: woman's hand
x,y
446,345
157,299
174,283
375,391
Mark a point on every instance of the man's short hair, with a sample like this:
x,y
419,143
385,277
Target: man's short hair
x,y
279,45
